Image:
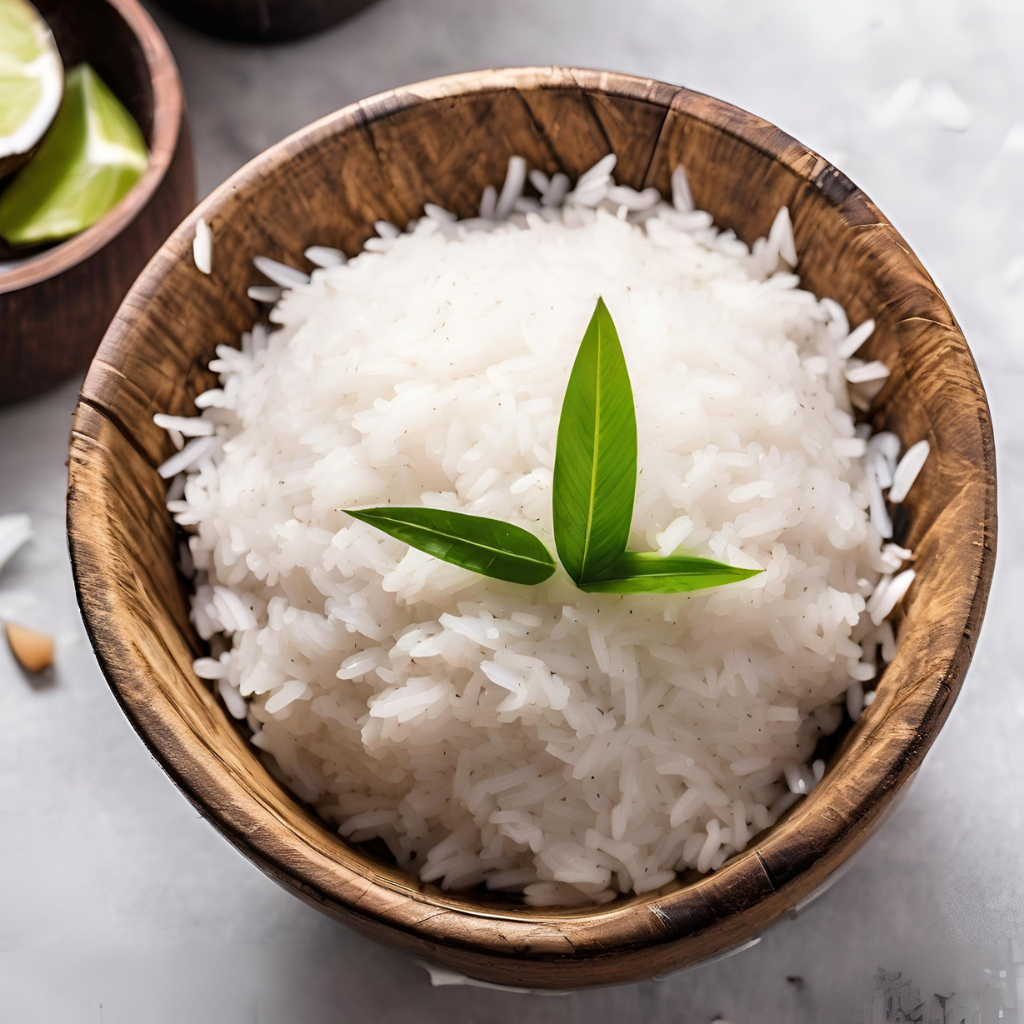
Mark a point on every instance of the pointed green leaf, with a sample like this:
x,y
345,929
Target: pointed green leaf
x,y
645,572
486,546
595,459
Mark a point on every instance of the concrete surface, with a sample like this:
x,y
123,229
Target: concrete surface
x,y
118,904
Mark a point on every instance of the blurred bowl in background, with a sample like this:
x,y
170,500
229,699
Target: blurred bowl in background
x,y
263,21
55,304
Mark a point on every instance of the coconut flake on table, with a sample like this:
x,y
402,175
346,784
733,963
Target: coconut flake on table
x,y
561,745
913,101
15,531
1012,276
899,105
947,108
1013,142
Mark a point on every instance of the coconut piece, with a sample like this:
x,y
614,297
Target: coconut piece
x,y
34,650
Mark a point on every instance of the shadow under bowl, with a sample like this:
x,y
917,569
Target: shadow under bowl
x,y
442,142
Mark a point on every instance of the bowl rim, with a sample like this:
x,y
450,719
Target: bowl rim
x,y
168,108
739,899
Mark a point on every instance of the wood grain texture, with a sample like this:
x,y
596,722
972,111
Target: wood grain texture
x,y
263,21
56,306
443,141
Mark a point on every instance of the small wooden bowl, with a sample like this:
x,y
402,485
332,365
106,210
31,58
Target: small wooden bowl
x,y
263,21
443,141
55,306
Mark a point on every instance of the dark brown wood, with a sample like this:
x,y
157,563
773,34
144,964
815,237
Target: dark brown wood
x,y
263,21
55,307
8,165
443,141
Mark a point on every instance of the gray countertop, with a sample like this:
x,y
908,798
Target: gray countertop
x,y
118,904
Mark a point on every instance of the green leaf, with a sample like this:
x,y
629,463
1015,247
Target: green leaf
x,y
646,572
486,546
595,459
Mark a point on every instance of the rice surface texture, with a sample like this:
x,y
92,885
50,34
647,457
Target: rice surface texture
x,y
541,740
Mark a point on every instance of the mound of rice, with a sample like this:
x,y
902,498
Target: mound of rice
x,y
538,739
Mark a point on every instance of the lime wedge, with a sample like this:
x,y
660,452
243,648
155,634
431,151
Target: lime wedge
x,y
31,81
86,165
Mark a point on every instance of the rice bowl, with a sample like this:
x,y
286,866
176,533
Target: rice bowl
x,y
374,159
569,747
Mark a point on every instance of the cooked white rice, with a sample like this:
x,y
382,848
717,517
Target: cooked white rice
x,y
202,247
539,739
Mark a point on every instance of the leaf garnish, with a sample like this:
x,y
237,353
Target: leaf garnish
x,y
646,572
594,486
595,458
486,546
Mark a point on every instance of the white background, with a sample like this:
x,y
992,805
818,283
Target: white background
x,y
118,904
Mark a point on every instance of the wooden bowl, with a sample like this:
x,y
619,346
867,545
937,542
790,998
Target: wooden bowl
x,y
263,21
55,306
443,141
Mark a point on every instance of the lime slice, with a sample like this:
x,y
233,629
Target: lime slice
x,y
86,165
31,81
